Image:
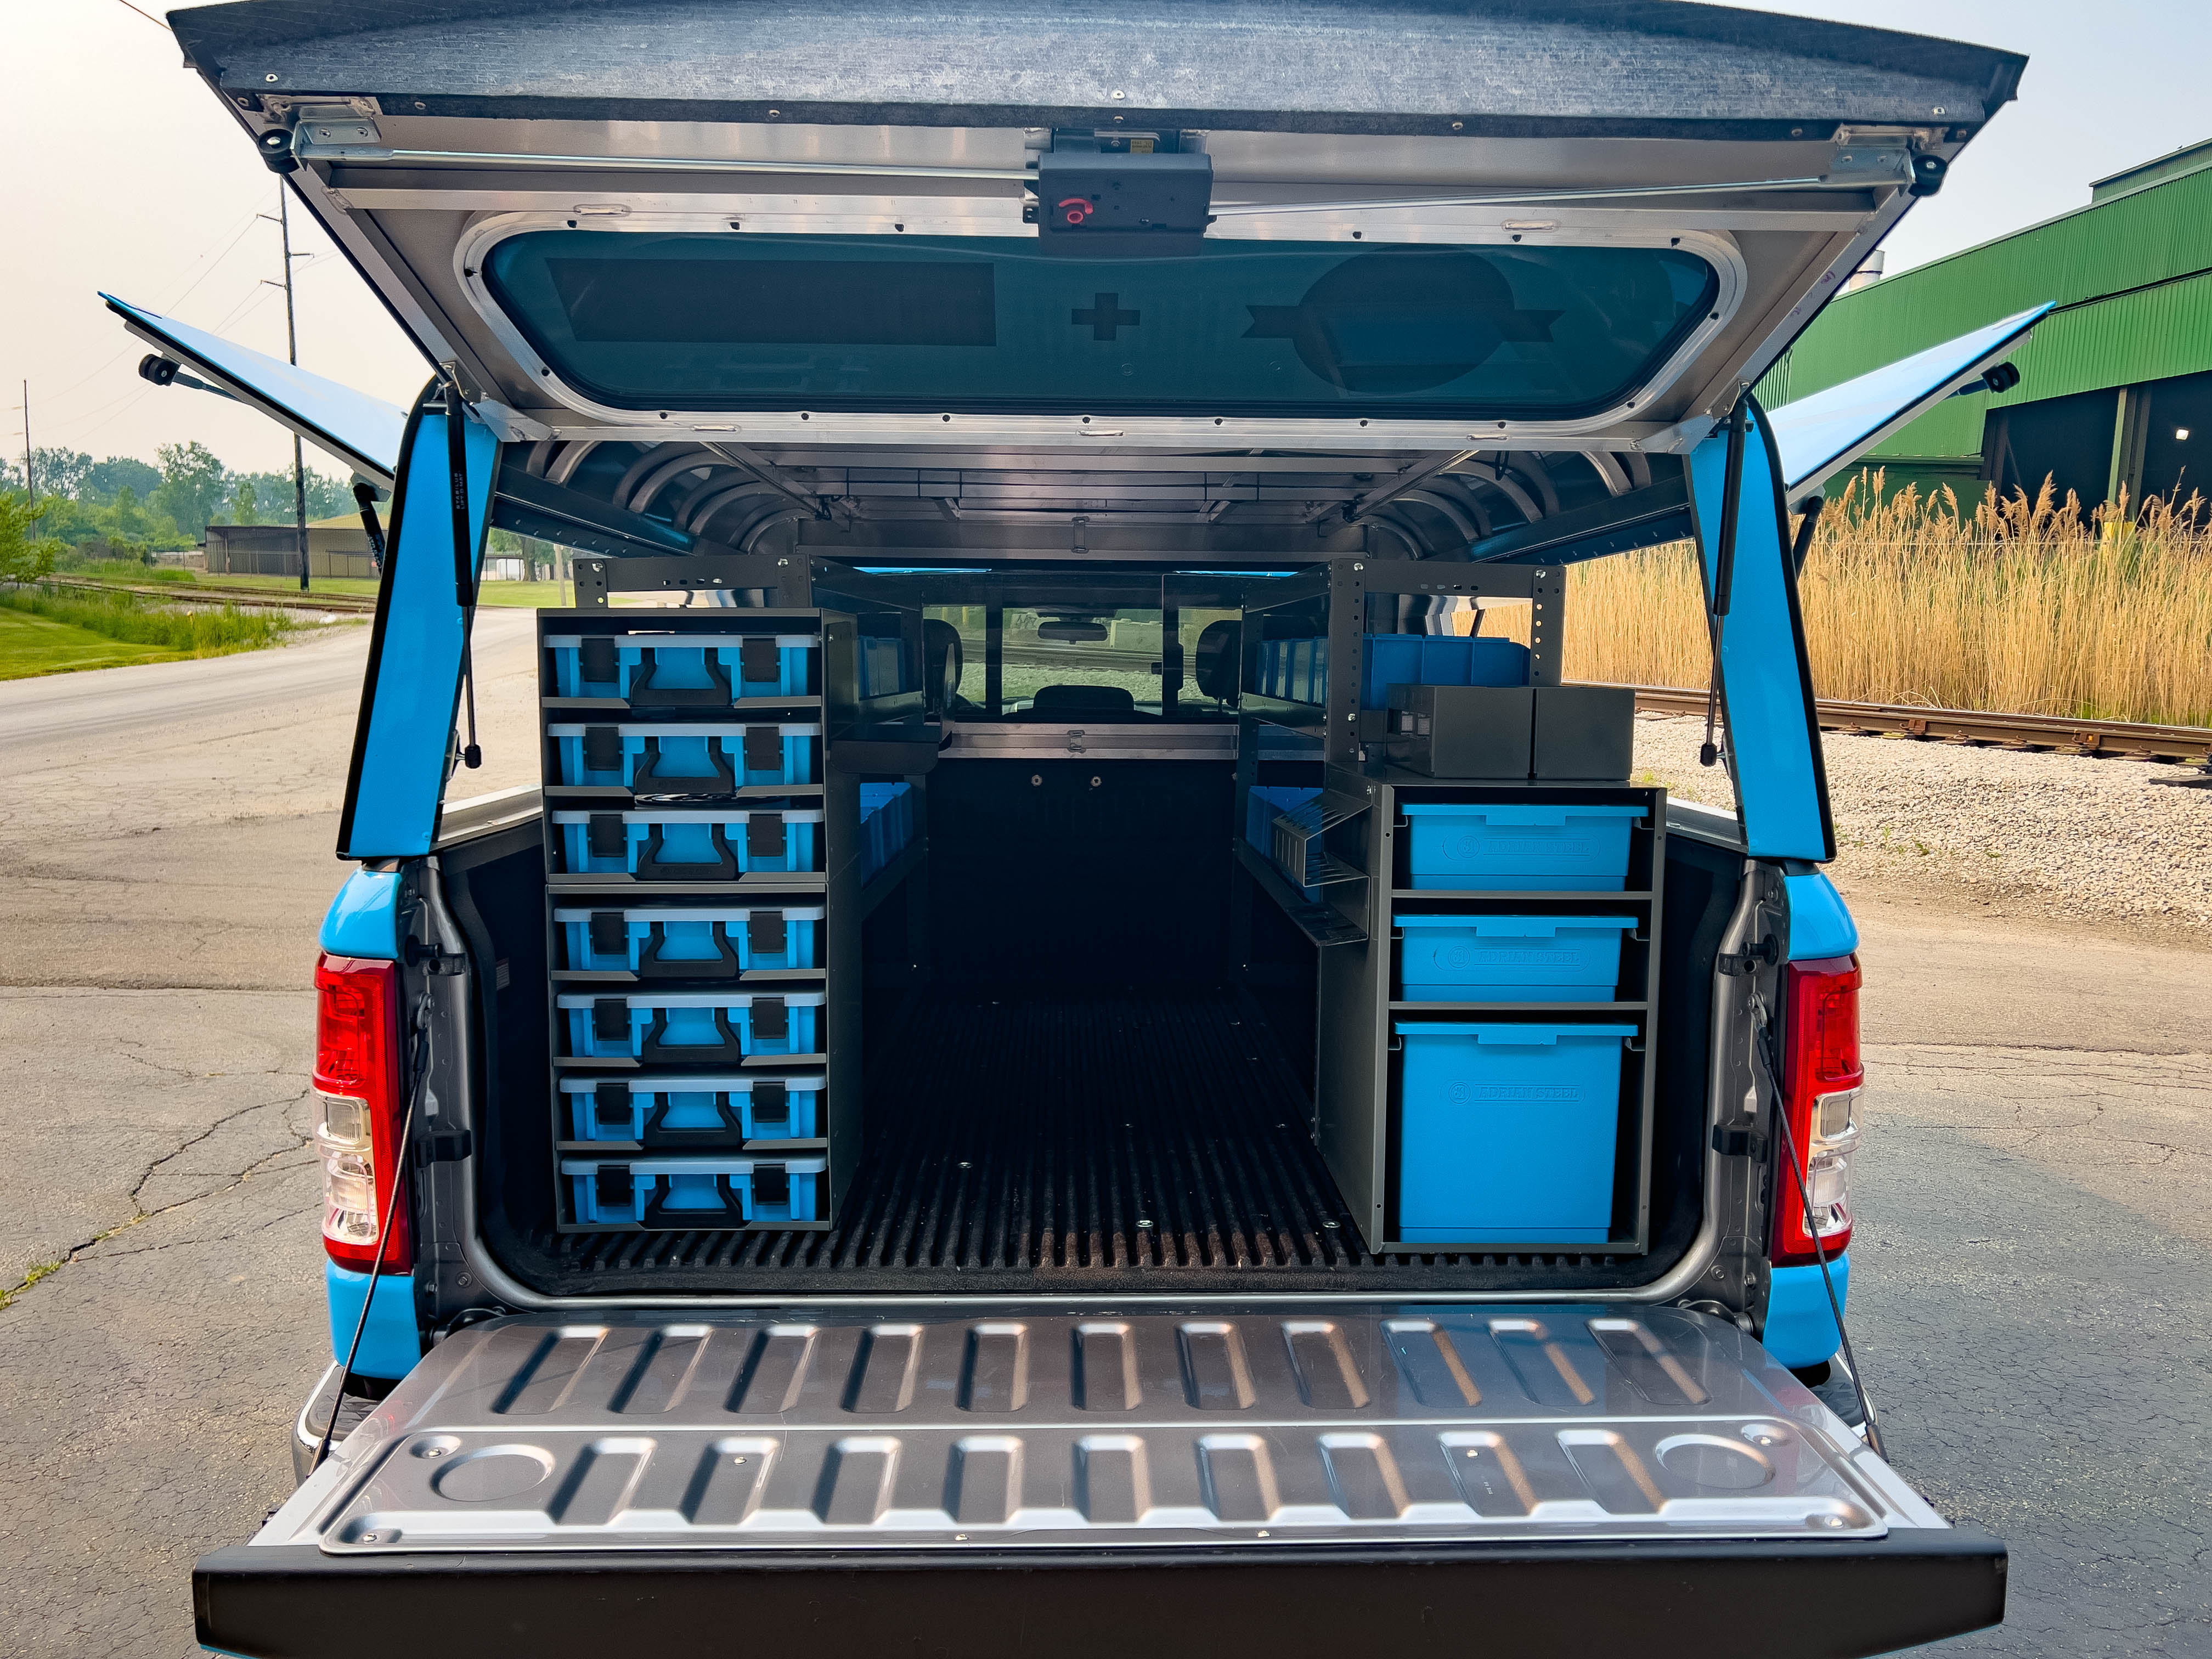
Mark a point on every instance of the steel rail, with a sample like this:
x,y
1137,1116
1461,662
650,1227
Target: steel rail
x,y
184,593
2189,744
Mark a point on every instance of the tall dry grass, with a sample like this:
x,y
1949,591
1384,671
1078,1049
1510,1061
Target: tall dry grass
x,y
2019,605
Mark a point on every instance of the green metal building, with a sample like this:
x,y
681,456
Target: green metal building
x,y
2116,386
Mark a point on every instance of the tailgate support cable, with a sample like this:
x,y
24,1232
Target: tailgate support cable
x,y
1765,1049
464,575
1723,569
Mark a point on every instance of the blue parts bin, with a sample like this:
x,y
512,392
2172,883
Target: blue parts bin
x,y
1490,847
1508,1133
1296,671
1437,659
718,844
886,824
719,1112
687,671
690,1028
665,759
1262,806
1563,958
701,1192
664,943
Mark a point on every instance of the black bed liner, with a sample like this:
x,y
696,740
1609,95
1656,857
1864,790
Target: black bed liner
x,y
1103,1141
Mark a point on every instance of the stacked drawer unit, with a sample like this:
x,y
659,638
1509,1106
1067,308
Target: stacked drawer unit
x,y
1523,935
688,848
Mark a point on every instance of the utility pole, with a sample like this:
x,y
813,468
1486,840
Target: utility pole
x,y
292,355
30,484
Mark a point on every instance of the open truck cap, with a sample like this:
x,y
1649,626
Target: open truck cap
x,y
1202,286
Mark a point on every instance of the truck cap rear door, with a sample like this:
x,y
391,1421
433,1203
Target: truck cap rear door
x,y
1548,1478
1216,225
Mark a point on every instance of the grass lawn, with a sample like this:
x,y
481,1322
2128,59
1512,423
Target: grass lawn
x,y
35,645
530,595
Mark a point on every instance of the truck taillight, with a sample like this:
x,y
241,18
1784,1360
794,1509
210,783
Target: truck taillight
x,y
357,1087
1821,1085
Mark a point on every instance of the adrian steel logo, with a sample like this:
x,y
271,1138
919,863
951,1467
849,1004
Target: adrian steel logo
x,y
1467,1094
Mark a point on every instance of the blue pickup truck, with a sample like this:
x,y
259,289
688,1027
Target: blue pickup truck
x,y
1087,1047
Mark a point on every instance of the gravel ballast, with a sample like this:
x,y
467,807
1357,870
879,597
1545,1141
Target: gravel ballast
x,y
2059,834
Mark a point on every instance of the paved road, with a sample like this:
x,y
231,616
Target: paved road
x,y
2036,1190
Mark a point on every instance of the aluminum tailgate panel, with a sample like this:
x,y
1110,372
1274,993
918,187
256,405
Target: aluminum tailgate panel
x,y
885,1429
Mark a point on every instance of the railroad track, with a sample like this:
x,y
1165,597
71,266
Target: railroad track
x,y
2188,745
277,600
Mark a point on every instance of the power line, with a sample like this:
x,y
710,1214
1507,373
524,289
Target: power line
x,y
148,16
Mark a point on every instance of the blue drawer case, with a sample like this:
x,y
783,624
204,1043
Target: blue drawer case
x,y
718,844
691,943
1511,958
1489,847
682,671
689,759
1507,1133
671,1113
691,1028
701,1191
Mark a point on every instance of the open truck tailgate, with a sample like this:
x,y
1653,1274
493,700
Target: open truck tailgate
x,y
1537,1480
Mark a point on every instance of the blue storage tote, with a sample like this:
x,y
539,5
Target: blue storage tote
x,y
670,1112
691,943
1511,958
1497,662
1507,1133
700,1192
688,759
690,1028
710,844
682,671
1540,848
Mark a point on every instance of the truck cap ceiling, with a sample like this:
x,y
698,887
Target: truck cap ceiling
x,y
1397,236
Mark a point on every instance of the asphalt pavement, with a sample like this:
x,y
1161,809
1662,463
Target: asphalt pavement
x,y
2034,1195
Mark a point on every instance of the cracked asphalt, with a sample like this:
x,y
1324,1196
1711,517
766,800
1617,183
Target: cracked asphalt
x,y
2034,1195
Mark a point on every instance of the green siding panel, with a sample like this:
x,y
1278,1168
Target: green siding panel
x,y
2153,236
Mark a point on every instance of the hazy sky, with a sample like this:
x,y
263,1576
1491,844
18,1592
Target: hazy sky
x,y
124,174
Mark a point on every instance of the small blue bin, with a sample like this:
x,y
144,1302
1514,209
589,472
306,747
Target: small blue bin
x,y
1490,847
666,943
1507,1133
716,1110
1497,662
687,759
1392,659
1317,690
709,844
1444,658
1511,958
703,1191
1298,670
691,1028
1264,805
883,666
689,671
886,824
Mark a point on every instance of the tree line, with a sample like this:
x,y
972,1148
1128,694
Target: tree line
x,y
123,507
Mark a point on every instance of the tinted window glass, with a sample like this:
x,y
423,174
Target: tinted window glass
x,y
733,321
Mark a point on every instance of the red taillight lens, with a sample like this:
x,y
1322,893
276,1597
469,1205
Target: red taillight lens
x,y
357,1085
1820,1083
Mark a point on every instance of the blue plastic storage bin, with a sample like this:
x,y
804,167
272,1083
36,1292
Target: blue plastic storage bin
x,y
692,759
1444,659
1437,659
883,666
1262,806
682,671
886,824
1497,662
662,1113
1511,958
703,1191
1317,687
691,943
690,1028
1507,1133
702,844
1489,847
